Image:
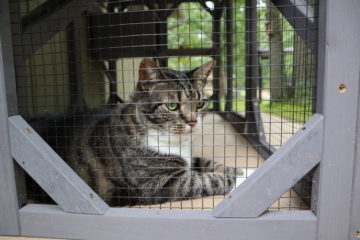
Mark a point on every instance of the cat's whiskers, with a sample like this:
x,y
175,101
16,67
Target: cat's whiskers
x,y
181,129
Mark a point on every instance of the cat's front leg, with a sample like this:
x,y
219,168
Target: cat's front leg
x,y
204,165
162,179
194,184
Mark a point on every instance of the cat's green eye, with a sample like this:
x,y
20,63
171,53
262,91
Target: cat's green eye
x,y
172,106
200,104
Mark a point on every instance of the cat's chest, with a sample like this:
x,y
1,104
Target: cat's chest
x,y
169,144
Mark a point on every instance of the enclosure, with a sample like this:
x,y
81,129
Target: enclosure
x,y
191,119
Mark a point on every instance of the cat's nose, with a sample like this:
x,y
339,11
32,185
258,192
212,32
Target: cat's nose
x,y
192,123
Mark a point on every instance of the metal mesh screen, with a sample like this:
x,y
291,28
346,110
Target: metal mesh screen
x,y
93,79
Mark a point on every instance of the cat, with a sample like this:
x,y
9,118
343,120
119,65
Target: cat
x,y
140,152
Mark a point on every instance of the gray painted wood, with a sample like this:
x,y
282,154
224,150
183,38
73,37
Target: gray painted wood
x,y
9,70
10,83
319,91
277,175
47,168
341,60
9,218
139,224
301,17
354,231
315,190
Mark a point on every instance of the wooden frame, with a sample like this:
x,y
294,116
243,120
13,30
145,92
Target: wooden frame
x,y
337,213
301,16
49,221
8,199
338,64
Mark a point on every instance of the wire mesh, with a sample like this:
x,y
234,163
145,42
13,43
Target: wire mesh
x,y
93,80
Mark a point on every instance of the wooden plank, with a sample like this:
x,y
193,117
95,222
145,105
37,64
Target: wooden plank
x,y
37,33
354,231
229,43
10,84
123,34
77,101
188,52
254,125
18,60
340,57
139,224
47,168
43,10
301,17
265,149
277,175
9,220
216,45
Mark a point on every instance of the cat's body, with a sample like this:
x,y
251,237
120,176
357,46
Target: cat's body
x,y
140,152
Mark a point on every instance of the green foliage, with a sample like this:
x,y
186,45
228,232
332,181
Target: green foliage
x,y
187,63
191,27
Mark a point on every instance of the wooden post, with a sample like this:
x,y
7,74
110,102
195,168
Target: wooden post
x,y
338,94
229,53
9,211
216,45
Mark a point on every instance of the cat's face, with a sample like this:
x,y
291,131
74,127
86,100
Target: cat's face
x,y
171,101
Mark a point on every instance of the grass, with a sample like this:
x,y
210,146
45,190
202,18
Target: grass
x,y
292,110
289,110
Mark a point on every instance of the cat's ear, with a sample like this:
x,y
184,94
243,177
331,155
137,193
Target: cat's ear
x,y
148,74
202,73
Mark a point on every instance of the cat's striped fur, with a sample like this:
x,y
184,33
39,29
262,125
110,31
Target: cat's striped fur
x,y
117,152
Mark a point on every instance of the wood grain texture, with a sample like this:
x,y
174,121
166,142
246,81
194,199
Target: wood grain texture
x,y
9,219
355,209
134,224
47,168
26,238
339,57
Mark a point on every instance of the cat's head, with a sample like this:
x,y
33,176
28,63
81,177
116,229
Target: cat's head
x,y
170,100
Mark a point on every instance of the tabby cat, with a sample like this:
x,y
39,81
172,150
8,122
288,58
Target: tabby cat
x,y
140,152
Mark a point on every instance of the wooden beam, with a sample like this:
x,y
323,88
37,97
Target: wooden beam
x,y
12,81
9,211
278,174
139,224
36,33
254,125
301,17
229,43
40,12
47,168
338,95
354,232
187,52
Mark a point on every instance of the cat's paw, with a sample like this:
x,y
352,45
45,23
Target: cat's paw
x,y
241,178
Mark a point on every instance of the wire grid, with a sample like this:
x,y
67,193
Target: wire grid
x,y
70,67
